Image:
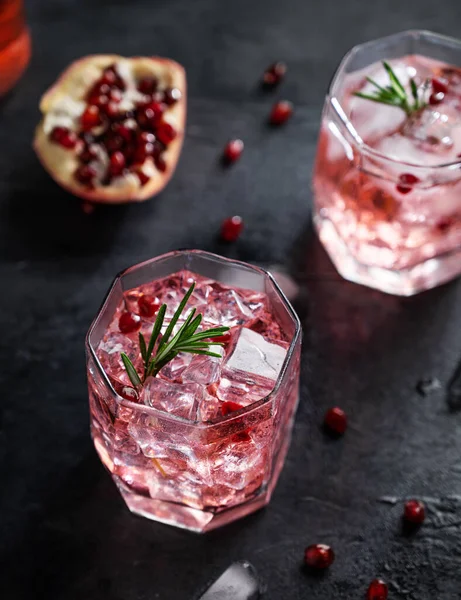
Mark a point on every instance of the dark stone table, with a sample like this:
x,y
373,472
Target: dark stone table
x,y
66,533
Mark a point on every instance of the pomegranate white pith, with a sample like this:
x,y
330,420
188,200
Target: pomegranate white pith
x,y
78,139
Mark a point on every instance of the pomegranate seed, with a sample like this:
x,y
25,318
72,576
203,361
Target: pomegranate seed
x,y
87,208
233,150
146,137
406,182
90,118
319,556
99,101
115,95
274,74
414,512
111,109
242,436
228,407
149,115
377,590
224,338
117,163
111,73
336,420
148,305
436,98
114,142
143,150
439,86
148,85
129,322
171,96
143,178
129,393
98,89
231,228
281,112
125,132
89,153
64,137
444,224
166,133
109,76
160,163
85,174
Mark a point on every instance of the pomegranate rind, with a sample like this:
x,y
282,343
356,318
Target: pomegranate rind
x,y
73,85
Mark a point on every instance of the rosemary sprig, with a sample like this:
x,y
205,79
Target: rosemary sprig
x,y
395,94
185,340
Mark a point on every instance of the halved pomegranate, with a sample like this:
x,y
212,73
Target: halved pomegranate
x,y
113,127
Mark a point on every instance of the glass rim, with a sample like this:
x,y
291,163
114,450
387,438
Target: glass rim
x,y
362,146
154,412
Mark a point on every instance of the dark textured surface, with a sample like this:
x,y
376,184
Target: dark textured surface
x,y
65,531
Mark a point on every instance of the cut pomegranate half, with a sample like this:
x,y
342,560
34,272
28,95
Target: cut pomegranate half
x,y
112,127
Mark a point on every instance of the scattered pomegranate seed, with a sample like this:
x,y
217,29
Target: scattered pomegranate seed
x,y
335,420
87,208
171,96
148,305
414,512
233,150
377,590
406,182
274,74
228,407
439,86
436,98
148,85
129,322
129,393
85,174
225,338
281,112
90,118
117,163
319,556
231,228
143,178
166,133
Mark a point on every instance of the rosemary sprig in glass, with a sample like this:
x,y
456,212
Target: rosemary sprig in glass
x,y
185,340
395,94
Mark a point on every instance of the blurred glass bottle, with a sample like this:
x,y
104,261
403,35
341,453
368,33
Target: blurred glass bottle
x,y
14,43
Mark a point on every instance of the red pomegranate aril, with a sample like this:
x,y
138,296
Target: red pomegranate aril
x,y
111,110
114,142
85,174
90,118
125,132
109,77
147,85
233,150
129,393
406,182
146,137
115,95
166,133
117,163
319,556
281,112
274,74
171,96
148,305
111,73
335,420
439,86
129,322
64,137
436,98
143,150
231,228
377,590
223,339
160,163
414,512
229,407
89,153
143,178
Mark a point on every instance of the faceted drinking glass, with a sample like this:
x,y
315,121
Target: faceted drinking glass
x,y
387,188
209,473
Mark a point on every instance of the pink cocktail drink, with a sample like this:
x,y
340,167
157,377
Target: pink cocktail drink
x,y
387,181
202,442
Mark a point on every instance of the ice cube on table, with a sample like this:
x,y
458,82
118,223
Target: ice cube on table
x,y
179,399
252,368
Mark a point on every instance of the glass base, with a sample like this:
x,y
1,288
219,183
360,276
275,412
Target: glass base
x,y
406,282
